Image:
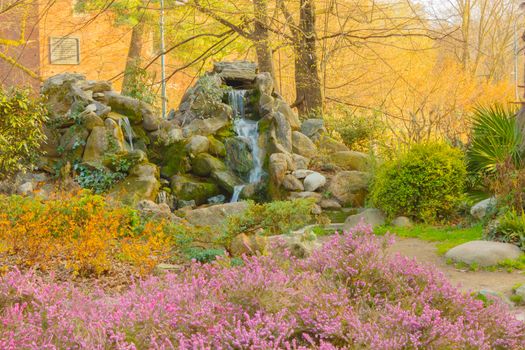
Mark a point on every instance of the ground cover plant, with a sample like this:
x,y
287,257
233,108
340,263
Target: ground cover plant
x,y
346,295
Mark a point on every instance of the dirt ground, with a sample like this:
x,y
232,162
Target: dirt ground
x,y
498,281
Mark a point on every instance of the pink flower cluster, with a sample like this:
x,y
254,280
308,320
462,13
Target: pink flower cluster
x,y
347,295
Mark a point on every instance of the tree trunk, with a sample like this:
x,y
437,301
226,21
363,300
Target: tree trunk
x,y
307,83
261,36
134,60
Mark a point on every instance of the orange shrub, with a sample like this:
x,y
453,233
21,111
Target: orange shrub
x,y
81,233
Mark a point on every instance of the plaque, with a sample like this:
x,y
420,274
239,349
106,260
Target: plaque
x,y
65,50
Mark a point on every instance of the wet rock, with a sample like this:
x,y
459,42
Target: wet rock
x,y
239,155
226,179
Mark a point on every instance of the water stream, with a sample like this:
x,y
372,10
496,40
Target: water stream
x,y
248,129
126,126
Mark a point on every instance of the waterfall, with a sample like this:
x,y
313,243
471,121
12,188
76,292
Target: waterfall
x,y
126,125
248,129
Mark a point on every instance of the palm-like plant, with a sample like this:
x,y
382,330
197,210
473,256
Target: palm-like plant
x,y
496,139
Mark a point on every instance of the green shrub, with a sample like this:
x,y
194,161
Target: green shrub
x,y
508,228
21,133
426,183
97,179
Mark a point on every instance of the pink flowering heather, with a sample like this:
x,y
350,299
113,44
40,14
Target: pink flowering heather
x,y
347,295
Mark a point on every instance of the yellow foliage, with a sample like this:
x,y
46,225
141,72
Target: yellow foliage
x,y
81,233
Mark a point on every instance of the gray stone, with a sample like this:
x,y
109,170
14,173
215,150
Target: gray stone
x,y
312,127
209,126
483,253
302,173
314,181
402,221
300,245
278,167
96,145
289,114
239,155
264,83
350,187
306,195
187,188
215,215
303,146
331,145
198,144
481,209
220,199
226,179
204,164
154,211
25,189
330,204
291,183
136,110
141,183
351,160
282,131
300,162
520,291
248,244
372,217
240,72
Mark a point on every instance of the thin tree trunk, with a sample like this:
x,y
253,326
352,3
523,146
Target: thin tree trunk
x,y
261,36
134,60
307,82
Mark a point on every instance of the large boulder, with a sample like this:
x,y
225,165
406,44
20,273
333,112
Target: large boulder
x,y
278,167
303,146
372,217
153,211
198,144
331,145
136,110
215,215
299,245
291,183
264,83
313,128
287,111
248,245
281,131
209,126
351,160
73,141
236,73
483,253
481,209
239,155
187,188
350,187
61,92
217,148
204,164
141,183
226,179
96,145
314,181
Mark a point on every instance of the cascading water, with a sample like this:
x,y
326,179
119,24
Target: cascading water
x,y
248,129
126,125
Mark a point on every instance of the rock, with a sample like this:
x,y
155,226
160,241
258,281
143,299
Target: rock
x,y
248,245
483,253
60,93
266,105
154,211
349,187
278,166
239,155
331,145
49,146
303,146
306,195
141,183
317,210
204,164
187,189
198,144
215,215
236,73
25,189
300,162
264,83
300,245
291,183
220,199
73,141
137,111
91,120
481,209
182,204
289,114
351,160
96,145
282,131
330,204
313,127
520,291
226,179
169,267
302,173
372,217
115,136
402,221
314,181
209,126
217,148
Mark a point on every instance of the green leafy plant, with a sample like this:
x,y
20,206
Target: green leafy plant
x,y
141,85
496,139
508,228
21,133
426,183
97,179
